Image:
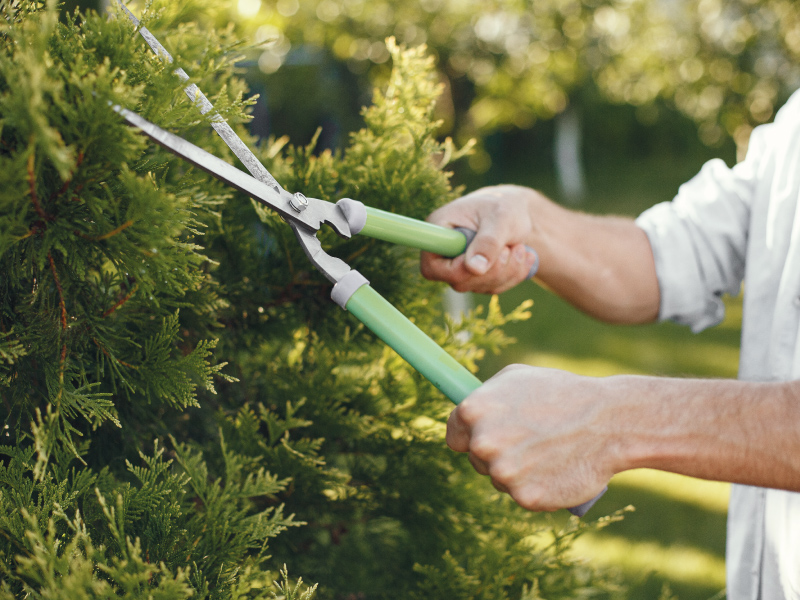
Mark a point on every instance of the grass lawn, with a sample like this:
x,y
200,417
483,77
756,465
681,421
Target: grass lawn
x,y
676,536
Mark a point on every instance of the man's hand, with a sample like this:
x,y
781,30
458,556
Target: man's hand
x,y
552,439
497,259
543,436
602,265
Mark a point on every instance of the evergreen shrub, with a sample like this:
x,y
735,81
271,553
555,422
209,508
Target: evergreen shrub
x,y
185,412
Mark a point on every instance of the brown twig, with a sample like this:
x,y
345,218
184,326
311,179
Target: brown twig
x,y
360,251
63,359
121,301
60,292
108,355
105,236
36,228
114,232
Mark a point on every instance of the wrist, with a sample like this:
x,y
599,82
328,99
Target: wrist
x,y
643,433
550,226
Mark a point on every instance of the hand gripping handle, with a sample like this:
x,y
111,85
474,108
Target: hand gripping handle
x,y
413,345
413,233
469,235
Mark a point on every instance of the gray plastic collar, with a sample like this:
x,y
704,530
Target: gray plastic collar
x,y
355,213
535,265
346,287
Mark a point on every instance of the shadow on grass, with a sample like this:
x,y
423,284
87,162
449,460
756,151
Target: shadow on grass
x,y
663,520
652,585
666,541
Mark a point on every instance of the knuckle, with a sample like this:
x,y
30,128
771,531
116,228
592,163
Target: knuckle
x,y
479,465
470,412
503,211
425,269
503,474
483,448
439,216
429,269
499,486
519,274
489,241
529,498
513,368
456,437
452,439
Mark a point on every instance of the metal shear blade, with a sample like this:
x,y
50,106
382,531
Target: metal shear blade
x,y
309,214
305,215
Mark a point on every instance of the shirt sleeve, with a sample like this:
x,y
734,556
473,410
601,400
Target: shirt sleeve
x,y
699,239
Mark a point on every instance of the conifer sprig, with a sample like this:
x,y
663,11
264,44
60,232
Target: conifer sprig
x,y
95,239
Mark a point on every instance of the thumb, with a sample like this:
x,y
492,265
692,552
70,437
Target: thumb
x,y
483,252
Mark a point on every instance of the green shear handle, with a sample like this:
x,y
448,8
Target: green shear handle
x,y
412,344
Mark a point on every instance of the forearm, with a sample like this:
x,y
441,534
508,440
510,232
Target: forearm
x,y
724,430
602,265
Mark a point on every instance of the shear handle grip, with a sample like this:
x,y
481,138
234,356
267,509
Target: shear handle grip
x,y
421,352
405,231
412,344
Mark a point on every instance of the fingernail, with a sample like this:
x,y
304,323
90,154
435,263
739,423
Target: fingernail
x,y
520,254
478,263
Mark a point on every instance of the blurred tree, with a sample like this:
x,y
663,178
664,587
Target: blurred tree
x,y
727,64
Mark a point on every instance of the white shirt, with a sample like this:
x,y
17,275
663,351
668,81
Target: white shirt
x,y
728,226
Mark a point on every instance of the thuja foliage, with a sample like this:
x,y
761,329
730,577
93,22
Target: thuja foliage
x,y
185,413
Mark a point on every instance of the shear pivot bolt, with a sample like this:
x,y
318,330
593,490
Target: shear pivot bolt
x,y
299,202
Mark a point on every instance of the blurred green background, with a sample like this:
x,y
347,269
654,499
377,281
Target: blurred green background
x,y
604,105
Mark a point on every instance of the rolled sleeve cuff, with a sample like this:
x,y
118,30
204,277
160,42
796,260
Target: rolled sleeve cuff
x,y
684,297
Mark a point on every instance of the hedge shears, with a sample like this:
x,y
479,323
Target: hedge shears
x,y
347,217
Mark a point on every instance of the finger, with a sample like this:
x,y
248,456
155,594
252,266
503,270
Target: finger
x,y
486,272
531,497
458,433
439,268
524,259
455,273
456,214
500,487
512,267
482,467
486,248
